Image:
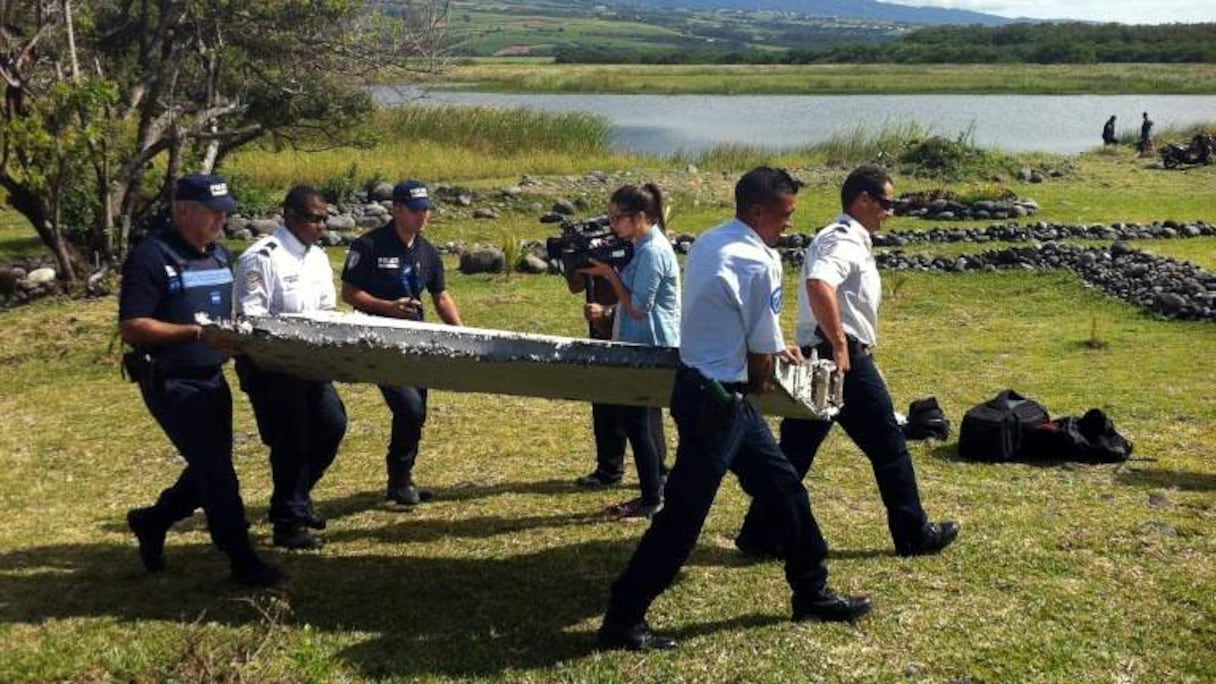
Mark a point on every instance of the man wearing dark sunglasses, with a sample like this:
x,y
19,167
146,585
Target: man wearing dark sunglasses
x,y
838,317
302,421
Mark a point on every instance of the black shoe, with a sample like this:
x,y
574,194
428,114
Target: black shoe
x,y
409,495
597,480
634,509
934,537
295,537
828,606
151,537
311,518
635,638
255,572
755,550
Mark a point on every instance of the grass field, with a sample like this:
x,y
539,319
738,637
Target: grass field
x,y
841,79
1062,574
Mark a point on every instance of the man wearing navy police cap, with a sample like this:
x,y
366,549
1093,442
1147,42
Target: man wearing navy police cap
x,y
385,274
167,282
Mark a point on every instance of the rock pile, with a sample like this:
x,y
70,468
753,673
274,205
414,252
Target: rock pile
x,y
27,280
1174,289
1043,231
946,206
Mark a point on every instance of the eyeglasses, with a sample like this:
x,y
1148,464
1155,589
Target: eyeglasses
x,y
885,202
312,218
613,218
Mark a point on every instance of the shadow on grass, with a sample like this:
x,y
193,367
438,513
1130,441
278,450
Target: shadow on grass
x,y
460,617
1185,480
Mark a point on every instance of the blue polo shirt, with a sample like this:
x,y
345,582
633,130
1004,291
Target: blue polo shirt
x,y
380,264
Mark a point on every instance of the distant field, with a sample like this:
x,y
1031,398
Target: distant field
x,y
840,79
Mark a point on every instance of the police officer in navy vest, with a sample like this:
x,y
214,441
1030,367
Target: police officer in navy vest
x,y
168,281
302,421
385,274
730,333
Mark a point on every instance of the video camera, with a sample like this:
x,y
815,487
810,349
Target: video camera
x,y
582,241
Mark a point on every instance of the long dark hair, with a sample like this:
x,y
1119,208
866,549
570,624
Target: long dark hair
x,y
647,199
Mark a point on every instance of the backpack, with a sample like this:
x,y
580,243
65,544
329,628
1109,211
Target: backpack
x,y
1089,439
925,420
995,431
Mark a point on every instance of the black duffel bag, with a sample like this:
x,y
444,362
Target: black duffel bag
x,y
1092,438
996,430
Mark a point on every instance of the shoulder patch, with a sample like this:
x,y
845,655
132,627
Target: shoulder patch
x,y
775,300
825,245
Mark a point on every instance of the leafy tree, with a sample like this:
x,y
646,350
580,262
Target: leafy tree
x,y
109,101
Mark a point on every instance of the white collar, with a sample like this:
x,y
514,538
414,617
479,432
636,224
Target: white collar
x,y
290,242
858,230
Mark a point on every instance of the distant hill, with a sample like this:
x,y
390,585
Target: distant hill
x,y
860,9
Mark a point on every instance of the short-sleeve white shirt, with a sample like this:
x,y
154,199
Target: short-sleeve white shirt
x,y
732,302
278,274
842,255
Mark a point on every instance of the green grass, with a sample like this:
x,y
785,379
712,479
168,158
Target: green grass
x,y
1061,574
842,79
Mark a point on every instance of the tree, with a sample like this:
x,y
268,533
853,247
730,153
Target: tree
x,y
108,102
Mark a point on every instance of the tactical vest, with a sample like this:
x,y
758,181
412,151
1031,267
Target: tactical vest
x,y
197,284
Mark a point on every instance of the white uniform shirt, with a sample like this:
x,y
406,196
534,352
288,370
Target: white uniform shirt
x,y
278,275
732,302
841,255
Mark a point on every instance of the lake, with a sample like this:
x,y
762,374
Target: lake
x,y
665,124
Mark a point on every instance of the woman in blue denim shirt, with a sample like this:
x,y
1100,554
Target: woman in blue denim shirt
x,y
648,312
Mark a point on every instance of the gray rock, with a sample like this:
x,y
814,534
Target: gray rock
x,y
533,264
485,213
41,276
482,260
375,209
8,281
464,200
242,234
370,222
1025,174
691,168
341,222
512,191
1036,177
235,224
381,192
263,226
564,206
552,217
330,239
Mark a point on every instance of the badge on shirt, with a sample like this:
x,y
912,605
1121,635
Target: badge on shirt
x,y
775,300
826,245
389,263
352,260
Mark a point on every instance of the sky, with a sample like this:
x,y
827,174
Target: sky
x,y
1136,12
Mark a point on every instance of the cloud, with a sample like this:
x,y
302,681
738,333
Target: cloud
x,y
1142,12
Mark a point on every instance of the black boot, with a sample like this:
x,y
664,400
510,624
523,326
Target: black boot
x,y
149,531
250,570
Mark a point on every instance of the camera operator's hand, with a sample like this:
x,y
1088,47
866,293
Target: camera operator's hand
x,y
596,313
792,354
598,268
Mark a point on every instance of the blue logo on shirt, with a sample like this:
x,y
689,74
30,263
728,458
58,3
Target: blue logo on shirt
x,y
775,301
215,297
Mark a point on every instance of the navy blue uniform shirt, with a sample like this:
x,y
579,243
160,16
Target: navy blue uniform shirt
x,y
167,279
380,264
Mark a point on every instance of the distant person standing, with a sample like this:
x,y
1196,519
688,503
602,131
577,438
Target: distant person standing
x,y
302,421
385,274
1108,132
1146,136
167,281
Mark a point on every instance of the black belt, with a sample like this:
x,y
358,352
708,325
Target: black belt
x,y
856,348
189,372
733,387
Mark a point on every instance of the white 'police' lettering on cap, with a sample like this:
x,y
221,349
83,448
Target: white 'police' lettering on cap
x,y
219,189
418,193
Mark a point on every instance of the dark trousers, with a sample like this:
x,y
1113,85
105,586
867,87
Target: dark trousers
x,y
714,439
196,414
408,405
303,422
608,423
868,418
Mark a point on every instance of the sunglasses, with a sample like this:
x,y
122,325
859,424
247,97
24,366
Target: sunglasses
x,y
885,202
312,218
